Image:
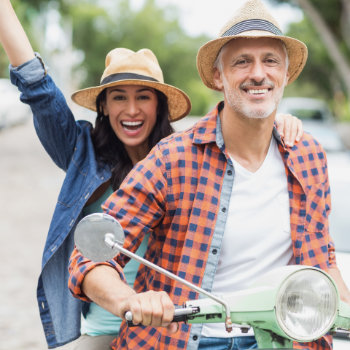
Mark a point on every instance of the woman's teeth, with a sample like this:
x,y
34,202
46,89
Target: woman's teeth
x,y
131,124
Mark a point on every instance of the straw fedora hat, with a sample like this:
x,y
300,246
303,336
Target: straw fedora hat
x,y
126,67
251,21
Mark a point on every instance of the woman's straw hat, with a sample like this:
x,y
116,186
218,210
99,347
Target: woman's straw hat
x,y
251,21
126,67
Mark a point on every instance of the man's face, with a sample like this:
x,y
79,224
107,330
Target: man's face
x,y
253,75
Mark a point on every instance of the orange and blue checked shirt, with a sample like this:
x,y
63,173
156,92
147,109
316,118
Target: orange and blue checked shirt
x,y
180,194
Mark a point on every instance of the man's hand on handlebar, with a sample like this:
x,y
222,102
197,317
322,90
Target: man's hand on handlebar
x,y
150,309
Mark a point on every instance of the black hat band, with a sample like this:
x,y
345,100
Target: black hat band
x,y
125,76
252,24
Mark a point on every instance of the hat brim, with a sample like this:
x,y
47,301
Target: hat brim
x,y
207,54
179,103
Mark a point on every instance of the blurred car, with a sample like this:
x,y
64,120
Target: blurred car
x,y
12,110
339,223
318,120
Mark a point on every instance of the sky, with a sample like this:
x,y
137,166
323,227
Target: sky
x,y
208,16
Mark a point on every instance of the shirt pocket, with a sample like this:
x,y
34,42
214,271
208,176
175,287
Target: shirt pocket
x,y
75,186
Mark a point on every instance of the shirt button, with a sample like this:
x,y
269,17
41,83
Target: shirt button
x,y
229,172
214,251
195,337
223,210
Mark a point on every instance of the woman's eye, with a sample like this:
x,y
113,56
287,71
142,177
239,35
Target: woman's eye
x,y
119,97
144,97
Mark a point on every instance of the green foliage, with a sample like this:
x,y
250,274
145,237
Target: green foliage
x,y
320,78
101,25
28,13
314,81
97,31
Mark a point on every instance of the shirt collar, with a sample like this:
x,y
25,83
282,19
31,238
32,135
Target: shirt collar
x,y
208,130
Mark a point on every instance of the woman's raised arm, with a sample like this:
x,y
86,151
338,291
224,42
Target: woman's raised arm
x,y
13,37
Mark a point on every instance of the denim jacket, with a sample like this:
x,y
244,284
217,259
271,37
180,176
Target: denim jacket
x,y
68,143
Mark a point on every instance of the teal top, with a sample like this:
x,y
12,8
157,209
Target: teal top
x,y
98,321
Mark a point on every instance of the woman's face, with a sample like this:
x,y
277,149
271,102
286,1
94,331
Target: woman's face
x,y
132,111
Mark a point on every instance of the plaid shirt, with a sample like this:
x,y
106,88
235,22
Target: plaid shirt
x,y
180,194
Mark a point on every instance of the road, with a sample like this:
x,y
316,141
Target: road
x,y
29,185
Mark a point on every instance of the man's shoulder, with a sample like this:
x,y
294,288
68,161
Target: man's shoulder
x,y
308,150
191,135
309,144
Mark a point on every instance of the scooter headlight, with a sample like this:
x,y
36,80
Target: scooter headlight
x,y
306,305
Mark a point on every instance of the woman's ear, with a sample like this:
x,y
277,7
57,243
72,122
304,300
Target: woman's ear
x,y
104,108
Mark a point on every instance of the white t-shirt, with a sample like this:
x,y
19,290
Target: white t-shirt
x,y
257,233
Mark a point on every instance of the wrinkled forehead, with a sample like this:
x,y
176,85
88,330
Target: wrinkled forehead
x,y
246,46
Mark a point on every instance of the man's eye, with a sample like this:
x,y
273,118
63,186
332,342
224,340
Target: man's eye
x,y
241,62
271,61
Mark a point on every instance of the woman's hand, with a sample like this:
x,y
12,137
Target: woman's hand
x,y
290,128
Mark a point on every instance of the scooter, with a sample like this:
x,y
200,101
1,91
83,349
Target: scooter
x,y
292,303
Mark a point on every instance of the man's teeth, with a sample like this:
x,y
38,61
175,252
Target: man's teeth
x,y
256,92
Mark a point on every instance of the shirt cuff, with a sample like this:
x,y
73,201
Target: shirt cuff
x,y
31,71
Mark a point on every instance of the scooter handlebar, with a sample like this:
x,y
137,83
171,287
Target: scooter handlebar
x,y
181,314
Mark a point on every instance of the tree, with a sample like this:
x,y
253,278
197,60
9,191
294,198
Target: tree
x,y
327,22
332,40
97,30
99,26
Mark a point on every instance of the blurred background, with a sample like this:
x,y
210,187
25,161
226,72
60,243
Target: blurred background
x,y
73,38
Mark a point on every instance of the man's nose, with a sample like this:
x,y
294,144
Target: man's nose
x,y
257,72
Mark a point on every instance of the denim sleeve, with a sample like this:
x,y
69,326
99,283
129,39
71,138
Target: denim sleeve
x,y
54,122
31,71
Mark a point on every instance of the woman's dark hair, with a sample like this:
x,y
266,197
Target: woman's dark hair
x,y
109,149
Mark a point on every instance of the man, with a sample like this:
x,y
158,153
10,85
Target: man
x,y
224,201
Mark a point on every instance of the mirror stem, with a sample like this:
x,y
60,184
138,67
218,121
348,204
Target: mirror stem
x,y
110,242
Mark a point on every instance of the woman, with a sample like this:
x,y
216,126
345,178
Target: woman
x,y
134,108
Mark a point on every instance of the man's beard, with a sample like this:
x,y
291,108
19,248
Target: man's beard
x,y
239,104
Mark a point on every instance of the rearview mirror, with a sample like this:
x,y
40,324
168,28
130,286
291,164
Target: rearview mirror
x,y
90,235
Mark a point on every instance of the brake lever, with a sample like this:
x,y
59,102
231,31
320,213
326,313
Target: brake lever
x,y
341,333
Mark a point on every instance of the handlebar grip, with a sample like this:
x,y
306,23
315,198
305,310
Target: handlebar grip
x,y
180,315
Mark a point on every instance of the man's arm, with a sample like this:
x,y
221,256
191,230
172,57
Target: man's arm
x,y
104,286
139,206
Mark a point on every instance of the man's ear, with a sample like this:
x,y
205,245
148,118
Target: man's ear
x,y
287,79
217,79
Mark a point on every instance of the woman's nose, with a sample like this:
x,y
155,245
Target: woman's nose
x,y
132,107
